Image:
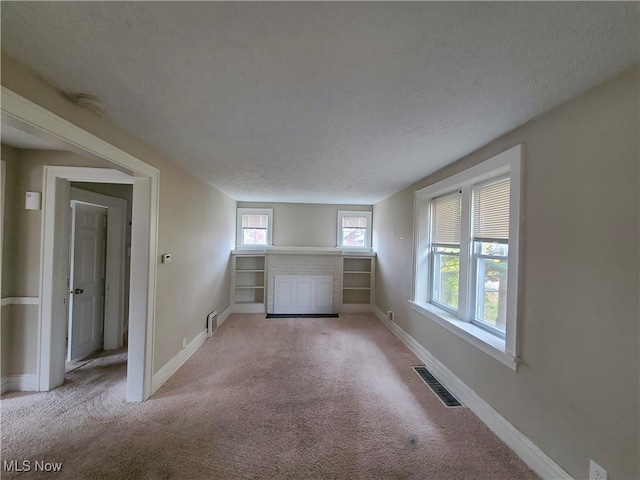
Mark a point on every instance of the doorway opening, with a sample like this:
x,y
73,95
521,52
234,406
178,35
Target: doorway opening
x,y
24,115
99,268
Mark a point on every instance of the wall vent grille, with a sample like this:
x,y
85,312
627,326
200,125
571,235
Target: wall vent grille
x,y
212,323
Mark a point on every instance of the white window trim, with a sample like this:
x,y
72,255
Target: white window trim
x,y
504,350
354,213
253,211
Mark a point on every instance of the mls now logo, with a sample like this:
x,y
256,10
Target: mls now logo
x,y
28,466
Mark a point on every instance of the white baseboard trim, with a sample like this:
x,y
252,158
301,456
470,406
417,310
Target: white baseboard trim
x,y
224,315
356,308
24,382
539,462
248,308
176,362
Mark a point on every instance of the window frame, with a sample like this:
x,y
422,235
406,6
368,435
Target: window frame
x,y
354,213
240,212
462,323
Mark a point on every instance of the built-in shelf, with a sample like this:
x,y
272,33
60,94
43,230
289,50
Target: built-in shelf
x,y
357,281
248,281
249,278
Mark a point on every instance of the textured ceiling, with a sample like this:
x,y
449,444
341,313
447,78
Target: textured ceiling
x,y
333,102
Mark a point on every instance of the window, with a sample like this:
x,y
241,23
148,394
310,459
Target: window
x,y
491,254
354,229
445,246
466,258
254,227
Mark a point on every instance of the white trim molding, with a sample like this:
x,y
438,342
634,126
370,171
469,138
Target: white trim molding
x,y
248,308
340,235
356,308
224,315
25,115
114,313
20,301
240,213
176,362
503,348
535,458
480,338
23,382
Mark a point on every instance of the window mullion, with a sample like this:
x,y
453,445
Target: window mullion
x,y
465,296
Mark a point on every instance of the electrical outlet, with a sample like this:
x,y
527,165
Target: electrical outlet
x,y
184,343
596,472
391,316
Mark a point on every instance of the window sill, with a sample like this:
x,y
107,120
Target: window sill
x,y
271,250
476,336
251,248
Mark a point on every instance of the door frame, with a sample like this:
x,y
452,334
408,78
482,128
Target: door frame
x,y
25,115
115,262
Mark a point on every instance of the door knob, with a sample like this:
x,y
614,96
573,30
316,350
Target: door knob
x,y
78,291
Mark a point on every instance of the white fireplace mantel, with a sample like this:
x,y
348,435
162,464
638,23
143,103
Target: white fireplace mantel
x,y
304,251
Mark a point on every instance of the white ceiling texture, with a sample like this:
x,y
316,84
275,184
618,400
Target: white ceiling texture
x,y
335,102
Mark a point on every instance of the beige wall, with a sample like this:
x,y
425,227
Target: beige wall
x,y
196,224
10,157
19,339
576,394
23,234
305,224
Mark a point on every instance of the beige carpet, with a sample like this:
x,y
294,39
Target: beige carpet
x,y
279,398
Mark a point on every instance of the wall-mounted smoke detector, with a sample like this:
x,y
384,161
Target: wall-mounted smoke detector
x,y
91,103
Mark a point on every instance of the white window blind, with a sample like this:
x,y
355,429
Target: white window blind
x,y
255,221
491,211
446,219
354,222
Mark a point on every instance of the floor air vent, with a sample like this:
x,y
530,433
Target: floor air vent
x,y
443,394
212,323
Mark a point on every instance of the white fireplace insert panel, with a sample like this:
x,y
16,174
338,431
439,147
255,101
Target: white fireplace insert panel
x,y
299,294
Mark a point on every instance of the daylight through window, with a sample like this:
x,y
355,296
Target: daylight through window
x,y
254,227
467,251
354,229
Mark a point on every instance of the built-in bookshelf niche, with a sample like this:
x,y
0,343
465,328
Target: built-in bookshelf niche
x,y
249,279
357,280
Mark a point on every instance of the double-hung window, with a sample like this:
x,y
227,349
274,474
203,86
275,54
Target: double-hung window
x,y
354,229
491,254
466,258
254,227
445,250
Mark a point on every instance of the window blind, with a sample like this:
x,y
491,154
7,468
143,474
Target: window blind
x,y
491,211
354,222
255,221
446,213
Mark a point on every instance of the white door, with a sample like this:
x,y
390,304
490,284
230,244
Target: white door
x,y
87,282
